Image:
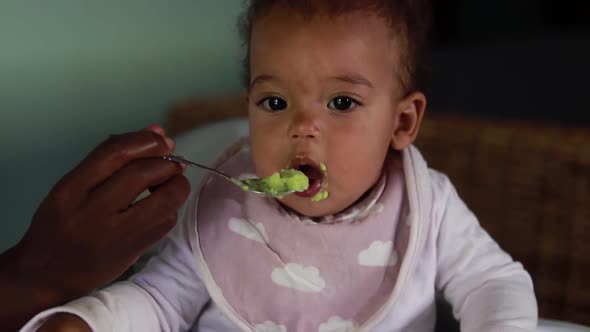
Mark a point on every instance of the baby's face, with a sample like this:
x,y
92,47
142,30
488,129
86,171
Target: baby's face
x,y
323,91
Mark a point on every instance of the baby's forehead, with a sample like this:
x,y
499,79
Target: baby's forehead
x,y
282,28
365,24
352,42
357,19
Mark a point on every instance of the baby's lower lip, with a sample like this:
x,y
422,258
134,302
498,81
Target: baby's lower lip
x,y
315,185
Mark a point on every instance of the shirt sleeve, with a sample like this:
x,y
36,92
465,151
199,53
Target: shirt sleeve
x,y
486,288
167,295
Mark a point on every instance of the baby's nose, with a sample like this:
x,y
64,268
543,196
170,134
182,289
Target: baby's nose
x,y
304,125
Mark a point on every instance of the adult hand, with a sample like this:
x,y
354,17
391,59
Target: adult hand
x,y
88,231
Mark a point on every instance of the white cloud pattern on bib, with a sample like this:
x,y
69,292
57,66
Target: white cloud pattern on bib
x,y
296,276
380,253
244,228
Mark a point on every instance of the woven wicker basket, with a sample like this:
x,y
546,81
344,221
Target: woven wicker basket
x,y
529,185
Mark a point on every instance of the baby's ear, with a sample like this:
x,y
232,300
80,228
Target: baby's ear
x,y
409,114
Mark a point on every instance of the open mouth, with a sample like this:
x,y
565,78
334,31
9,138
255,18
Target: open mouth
x,y
313,173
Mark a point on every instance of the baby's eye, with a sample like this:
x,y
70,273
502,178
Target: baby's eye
x,y
343,104
273,104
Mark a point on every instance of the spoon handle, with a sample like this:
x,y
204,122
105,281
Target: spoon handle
x,y
237,182
180,159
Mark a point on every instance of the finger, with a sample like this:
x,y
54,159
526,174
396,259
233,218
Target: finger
x,y
162,203
146,239
113,154
155,128
121,189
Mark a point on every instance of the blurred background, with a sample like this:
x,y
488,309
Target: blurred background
x,y
73,72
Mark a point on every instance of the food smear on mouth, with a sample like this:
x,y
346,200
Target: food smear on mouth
x,y
320,196
323,194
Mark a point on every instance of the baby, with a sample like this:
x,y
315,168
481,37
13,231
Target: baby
x,y
333,83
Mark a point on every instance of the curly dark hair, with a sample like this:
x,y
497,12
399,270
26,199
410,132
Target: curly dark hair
x,y
409,19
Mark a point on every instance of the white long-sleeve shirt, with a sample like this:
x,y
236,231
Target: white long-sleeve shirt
x,y
448,249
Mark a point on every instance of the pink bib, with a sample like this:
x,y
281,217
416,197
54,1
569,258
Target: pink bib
x,y
270,270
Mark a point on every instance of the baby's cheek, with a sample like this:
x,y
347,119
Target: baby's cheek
x,y
350,160
344,179
267,157
261,164
361,173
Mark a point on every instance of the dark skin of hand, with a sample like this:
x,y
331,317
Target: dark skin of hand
x,y
87,232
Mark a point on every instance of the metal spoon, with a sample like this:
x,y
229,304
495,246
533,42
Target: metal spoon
x,y
253,185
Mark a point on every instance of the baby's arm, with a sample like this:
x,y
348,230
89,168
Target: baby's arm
x,y
487,289
166,296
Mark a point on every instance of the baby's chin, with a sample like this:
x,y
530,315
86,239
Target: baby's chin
x,y
307,207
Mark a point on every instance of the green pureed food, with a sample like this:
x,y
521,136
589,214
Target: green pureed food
x,y
285,181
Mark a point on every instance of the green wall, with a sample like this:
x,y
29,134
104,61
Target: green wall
x,y
72,72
